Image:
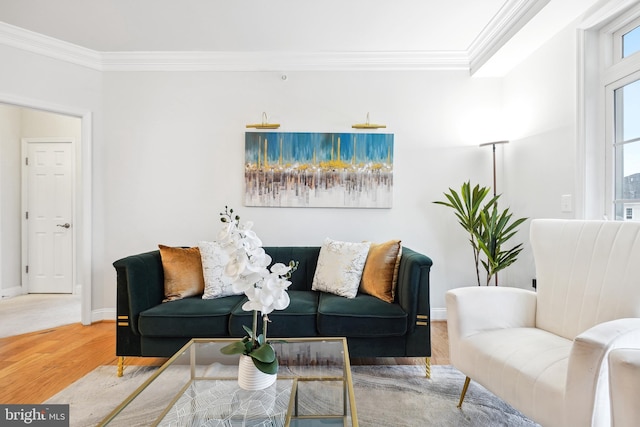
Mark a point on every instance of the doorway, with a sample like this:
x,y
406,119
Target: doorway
x,y
32,119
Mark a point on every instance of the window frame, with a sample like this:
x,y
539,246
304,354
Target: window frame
x,y
612,142
616,73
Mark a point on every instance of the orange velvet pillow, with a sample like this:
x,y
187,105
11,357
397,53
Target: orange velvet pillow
x,y
183,275
380,273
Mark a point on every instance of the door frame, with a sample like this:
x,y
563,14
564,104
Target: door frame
x,y
25,208
83,185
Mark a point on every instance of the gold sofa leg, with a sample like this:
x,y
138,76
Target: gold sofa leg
x,y
464,391
427,367
120,365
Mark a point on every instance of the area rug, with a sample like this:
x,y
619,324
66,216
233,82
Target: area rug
x,y
386,396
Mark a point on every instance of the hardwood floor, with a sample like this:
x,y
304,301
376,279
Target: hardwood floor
x,y
35,366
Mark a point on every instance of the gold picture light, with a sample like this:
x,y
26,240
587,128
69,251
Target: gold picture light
x,y
368,125
265,124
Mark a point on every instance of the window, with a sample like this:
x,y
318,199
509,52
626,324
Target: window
x,y
621,78
626,111
631,42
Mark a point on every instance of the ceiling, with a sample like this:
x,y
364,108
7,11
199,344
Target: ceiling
x,y
471,27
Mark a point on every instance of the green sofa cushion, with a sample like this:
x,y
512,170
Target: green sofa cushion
x,y
189,317
297,320
362,316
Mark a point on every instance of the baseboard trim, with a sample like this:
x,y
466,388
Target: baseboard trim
x,y
103,314
438,314
11,292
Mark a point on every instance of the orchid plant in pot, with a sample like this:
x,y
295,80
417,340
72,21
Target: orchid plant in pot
x,y
265,288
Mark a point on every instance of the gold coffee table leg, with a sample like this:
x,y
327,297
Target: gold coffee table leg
x,y
120,365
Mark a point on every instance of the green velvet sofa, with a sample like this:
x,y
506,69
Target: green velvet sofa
x,y
374,328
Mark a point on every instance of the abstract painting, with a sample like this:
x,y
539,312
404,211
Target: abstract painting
x,y
311,169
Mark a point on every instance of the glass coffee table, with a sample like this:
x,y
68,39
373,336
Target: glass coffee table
x,y
198,387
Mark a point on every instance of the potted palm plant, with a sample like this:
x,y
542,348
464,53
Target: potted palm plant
x,y
489,229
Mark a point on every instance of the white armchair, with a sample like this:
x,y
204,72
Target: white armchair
x,y
624,387
545,352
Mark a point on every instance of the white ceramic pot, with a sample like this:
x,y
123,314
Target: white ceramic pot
x,y
250,377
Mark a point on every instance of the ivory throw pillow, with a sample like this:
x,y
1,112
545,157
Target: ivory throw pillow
x,y
340,267
182,272
214,260
380,274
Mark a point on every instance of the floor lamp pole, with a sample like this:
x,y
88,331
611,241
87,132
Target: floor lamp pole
x,y
493,148
494,169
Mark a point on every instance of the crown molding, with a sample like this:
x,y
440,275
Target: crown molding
x,y
508,21
48,46
283,61
230,61
511,18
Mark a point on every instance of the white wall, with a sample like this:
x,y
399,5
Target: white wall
x,y
168,151
37,124
10,263
174,154
540,161
29,79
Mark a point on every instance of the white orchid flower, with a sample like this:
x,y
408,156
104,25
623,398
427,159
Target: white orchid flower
x,y
251,306
259,298
284,284
257,252
225,231
275,287
258,256
243,283
236,266
266,299
251,240
282,302
277,282
253,278
280,269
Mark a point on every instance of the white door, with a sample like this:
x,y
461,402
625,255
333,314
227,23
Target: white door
x,y
49,216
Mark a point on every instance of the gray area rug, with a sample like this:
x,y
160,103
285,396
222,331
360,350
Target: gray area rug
x,y
386,396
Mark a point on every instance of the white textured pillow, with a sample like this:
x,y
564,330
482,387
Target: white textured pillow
x,y
214,260
340,266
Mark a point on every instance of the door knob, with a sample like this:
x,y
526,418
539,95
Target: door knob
x,y
65,225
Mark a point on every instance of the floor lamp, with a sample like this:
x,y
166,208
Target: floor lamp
x,y
493,146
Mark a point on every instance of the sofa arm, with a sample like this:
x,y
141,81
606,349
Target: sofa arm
x,y
475,309
624,386
140,282
412,289
587,387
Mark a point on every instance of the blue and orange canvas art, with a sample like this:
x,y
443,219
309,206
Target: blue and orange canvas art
x,y
311,169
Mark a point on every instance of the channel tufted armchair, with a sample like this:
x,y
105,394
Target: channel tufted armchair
x,y
624,383
545,352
